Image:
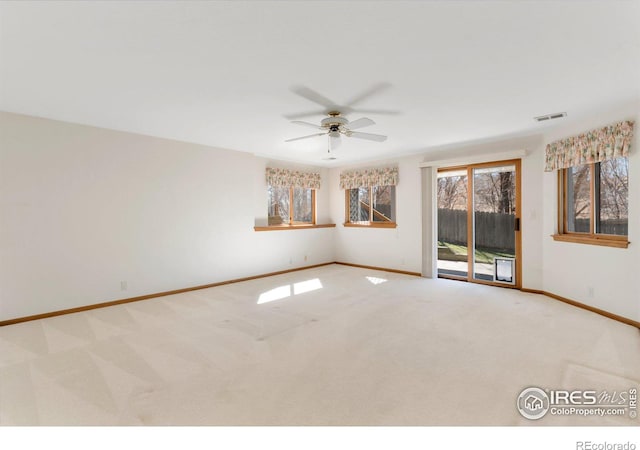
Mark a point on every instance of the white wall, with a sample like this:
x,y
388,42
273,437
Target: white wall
x,y
393,248
532,215
84,208
570,269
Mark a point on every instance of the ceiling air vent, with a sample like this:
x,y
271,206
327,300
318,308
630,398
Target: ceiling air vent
x,y
550,116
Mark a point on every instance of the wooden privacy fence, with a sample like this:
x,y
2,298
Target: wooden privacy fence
x,y
493,230
619,227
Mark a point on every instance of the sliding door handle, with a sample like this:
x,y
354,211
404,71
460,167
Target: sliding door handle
x,y
517,225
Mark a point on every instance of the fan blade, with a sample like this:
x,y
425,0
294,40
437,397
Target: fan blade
x,y
375,89
307,124
360,123
368,136
305,137
313,96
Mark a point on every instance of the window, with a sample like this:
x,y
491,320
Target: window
x,y
291,206
371,206
594,203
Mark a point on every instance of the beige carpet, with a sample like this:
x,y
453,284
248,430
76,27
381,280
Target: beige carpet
x,y
334,345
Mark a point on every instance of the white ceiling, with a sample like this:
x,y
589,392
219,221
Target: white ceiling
x,y
221,73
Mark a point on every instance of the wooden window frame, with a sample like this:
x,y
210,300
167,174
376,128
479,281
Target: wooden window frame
x,y
370,223
591,238
291,223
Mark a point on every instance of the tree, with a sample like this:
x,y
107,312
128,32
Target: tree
x,y
614,189
452,192
495,192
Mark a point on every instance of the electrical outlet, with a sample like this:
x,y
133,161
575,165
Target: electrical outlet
x,y
123,285
305,258
590,291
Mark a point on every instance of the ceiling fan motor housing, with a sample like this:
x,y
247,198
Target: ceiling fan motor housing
x,y
336,121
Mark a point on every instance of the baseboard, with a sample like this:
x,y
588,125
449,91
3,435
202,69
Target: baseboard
x,y
280,272
404,272
602,312
149,296
532,291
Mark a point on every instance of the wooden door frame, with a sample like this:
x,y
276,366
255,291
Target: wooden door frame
x,y
470,228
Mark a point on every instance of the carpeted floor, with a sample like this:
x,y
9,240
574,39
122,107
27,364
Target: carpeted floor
x,y
334,345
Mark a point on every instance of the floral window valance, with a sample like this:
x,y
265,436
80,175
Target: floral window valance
x,y
366,178
594,146
292,178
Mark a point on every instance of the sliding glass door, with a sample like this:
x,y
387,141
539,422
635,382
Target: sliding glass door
x,y
494,223
478,223
453,218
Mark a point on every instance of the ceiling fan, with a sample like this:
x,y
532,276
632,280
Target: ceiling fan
x,y
335,126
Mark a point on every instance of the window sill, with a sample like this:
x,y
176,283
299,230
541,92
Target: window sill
x,y
293,227
606,241
371,225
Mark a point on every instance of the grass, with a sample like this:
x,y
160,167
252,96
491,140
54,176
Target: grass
x,y
483,255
